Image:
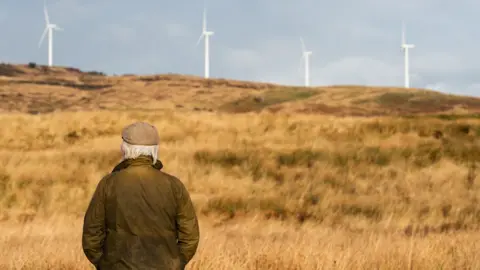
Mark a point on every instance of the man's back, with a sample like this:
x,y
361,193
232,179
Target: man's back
x,y
145,212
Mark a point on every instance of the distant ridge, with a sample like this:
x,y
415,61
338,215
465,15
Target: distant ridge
x,y
39,89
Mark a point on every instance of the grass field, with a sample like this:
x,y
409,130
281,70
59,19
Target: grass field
x,y
337,177
272,190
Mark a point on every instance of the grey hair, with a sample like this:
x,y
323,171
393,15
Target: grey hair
x,y
131,151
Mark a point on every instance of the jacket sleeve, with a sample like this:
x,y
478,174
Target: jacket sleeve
x,y
187,226
94,225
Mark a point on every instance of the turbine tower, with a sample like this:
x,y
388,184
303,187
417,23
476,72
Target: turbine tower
x,y
306,55
206,35
49,27
406,47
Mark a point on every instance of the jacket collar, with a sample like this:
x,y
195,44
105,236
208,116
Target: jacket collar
x,y
140,161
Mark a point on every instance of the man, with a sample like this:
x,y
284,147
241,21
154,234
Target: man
x,y
140,217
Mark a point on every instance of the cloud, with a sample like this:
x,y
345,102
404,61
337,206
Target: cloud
x,y
3,16
359,70
64,12
243,58
177,30
353,42
121,33
469,90
440,86
364,30
473,89
276,60
438,62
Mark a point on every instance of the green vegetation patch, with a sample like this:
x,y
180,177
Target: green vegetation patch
x,y
269,98
422,126
232,205
424,102
453,117
277,165
224,158
394,98
302,157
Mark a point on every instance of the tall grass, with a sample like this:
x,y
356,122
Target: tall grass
x,y
273,191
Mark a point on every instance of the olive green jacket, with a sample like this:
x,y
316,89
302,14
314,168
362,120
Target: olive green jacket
x,y
140,218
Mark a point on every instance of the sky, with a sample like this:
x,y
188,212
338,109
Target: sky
x,y
353,41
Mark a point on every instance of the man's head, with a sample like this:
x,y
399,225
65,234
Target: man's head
x,y
140,139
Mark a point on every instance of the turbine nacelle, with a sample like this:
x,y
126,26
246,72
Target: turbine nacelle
x,y
54,27
204,34
45,31
406,47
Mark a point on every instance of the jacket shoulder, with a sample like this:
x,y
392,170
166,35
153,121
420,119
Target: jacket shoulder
x,y
109,176
177,185
175,181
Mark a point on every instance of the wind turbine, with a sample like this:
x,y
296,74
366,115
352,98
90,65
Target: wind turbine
x,y
406,47
306,55
206,35
49,27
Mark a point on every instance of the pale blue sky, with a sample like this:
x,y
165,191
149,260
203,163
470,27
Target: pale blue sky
x,y
353,41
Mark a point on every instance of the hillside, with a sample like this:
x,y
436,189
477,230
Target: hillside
x,y
273,191
39,89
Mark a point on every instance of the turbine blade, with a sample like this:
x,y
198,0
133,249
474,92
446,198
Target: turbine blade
x,y
42,37
204,24
45,11
199,39
303,44
300,63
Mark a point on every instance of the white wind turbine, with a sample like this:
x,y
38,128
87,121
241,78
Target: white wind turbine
x,y
49,27
206,35
406,47
306,55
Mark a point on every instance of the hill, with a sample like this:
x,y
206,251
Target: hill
x,y
302,189
39,89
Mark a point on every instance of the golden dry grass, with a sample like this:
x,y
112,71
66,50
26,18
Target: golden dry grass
x,y
41,89
273,191
256,245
